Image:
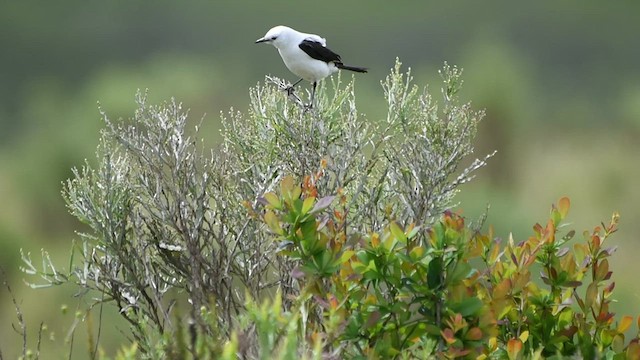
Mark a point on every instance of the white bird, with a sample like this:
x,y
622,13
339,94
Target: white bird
x,y
305,55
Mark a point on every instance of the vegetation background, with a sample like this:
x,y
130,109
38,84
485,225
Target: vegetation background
x,y
560,82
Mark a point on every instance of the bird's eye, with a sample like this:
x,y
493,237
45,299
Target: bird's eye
x,y
273,37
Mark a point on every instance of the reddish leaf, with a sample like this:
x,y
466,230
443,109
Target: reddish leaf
x,y
595,244
609,289
448,336
633,351
592,292
537,228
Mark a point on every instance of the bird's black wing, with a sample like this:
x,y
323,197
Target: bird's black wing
x,y
319,52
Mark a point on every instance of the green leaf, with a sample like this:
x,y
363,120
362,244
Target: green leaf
x,y
468,307
398,233
434,276
309,239
307,205
273,200
413,232
346,255
602,270
459,273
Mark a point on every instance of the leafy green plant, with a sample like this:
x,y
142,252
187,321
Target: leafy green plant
x,y
457,294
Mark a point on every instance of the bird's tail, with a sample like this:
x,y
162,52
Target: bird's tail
x,y
342,66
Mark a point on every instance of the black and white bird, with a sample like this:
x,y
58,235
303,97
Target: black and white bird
x,y
306,55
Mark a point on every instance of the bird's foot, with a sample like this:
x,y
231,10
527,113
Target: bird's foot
x,y
290,90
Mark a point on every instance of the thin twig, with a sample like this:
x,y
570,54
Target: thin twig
x,y
39,340
288,88
23,325
95,350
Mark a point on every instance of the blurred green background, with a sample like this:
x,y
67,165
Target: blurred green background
x,y
560,82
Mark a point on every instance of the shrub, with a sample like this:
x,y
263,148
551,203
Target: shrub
x,y
448,292
314,233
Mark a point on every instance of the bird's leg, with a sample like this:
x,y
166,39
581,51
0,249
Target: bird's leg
x,y
290,88
313,94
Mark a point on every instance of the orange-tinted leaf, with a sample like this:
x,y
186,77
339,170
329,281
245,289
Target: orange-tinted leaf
x,y
563,206
333,302
474,334
375,240
448,336
521,280
514,346
624,324
501,290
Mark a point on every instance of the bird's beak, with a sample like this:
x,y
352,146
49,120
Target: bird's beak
x,y
261,40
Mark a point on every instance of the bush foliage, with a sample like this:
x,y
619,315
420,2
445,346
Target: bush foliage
x,y
315,233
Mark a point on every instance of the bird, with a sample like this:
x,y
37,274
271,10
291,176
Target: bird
x,y
306,55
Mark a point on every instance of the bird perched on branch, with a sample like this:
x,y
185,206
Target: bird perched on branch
x,y
306,55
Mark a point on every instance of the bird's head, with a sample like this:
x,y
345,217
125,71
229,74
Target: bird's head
x,y
276,36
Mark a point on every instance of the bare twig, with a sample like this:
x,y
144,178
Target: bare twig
x,y
23,326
